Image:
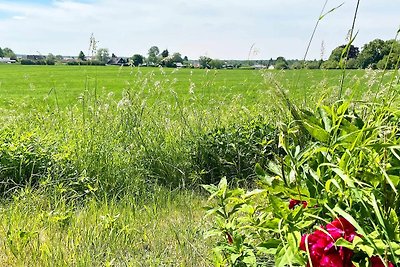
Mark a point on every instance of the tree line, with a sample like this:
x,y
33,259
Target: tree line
x,y
377,54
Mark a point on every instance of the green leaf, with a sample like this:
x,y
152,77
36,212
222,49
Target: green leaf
x,y
341,242
259,170
234,257
250,258
316,131
349,182
327,121
269,247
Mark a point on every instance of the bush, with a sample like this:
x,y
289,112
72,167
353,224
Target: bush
x,y
345,178
233,151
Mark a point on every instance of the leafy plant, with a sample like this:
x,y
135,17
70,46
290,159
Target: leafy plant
x,y
348,169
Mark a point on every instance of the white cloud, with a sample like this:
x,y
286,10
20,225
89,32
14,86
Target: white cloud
x,y
222,29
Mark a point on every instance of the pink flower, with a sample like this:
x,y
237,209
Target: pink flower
x,y
377,262
321,245
293,203
340,227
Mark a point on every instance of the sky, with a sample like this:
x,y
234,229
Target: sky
x,y
223,29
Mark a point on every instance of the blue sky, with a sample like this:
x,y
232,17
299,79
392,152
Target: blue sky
x,y
224,29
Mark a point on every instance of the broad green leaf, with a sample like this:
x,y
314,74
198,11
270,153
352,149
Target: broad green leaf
x,y
316,131
341,242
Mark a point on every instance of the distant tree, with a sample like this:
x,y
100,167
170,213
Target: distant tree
x,y
167,62
330,64
336,54
216,64
50,59
102,55
152,58
371,54
81,56
204,62
185,58
7,52
137,59
391,51
165,53
313,64
113,55
1,52
177,57
59,57
281,63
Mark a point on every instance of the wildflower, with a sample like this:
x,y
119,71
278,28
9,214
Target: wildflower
x,y
293,203
377,262
321,244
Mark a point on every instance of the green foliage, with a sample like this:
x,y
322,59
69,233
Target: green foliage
x,y
177,57
348,168
233,151
137,59
336,54
165,53
7,52
102,55
216,64
281,63
204,62
372,53
152,58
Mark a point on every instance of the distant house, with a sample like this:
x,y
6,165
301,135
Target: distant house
x,y
179,65
7,60
117,61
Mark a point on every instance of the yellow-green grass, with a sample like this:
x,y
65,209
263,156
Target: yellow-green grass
x,y
125,141
27,86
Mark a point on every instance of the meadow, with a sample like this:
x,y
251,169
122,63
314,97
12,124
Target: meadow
x,y
102,166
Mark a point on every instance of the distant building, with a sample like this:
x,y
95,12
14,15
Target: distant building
x,y
7,60
179,65
117,61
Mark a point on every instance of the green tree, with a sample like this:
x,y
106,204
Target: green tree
x,y
330,64
1,52
167,62
152,58
7,52
281,63
102,55
391,56
371,54
81,56
216,64
204,62
165,53
336,54
50,59
177,57
137,59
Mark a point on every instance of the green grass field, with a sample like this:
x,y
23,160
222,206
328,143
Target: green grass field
x,y
97,163
27,85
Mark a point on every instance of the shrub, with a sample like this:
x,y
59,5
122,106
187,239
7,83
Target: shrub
x,y
345,177
233,151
